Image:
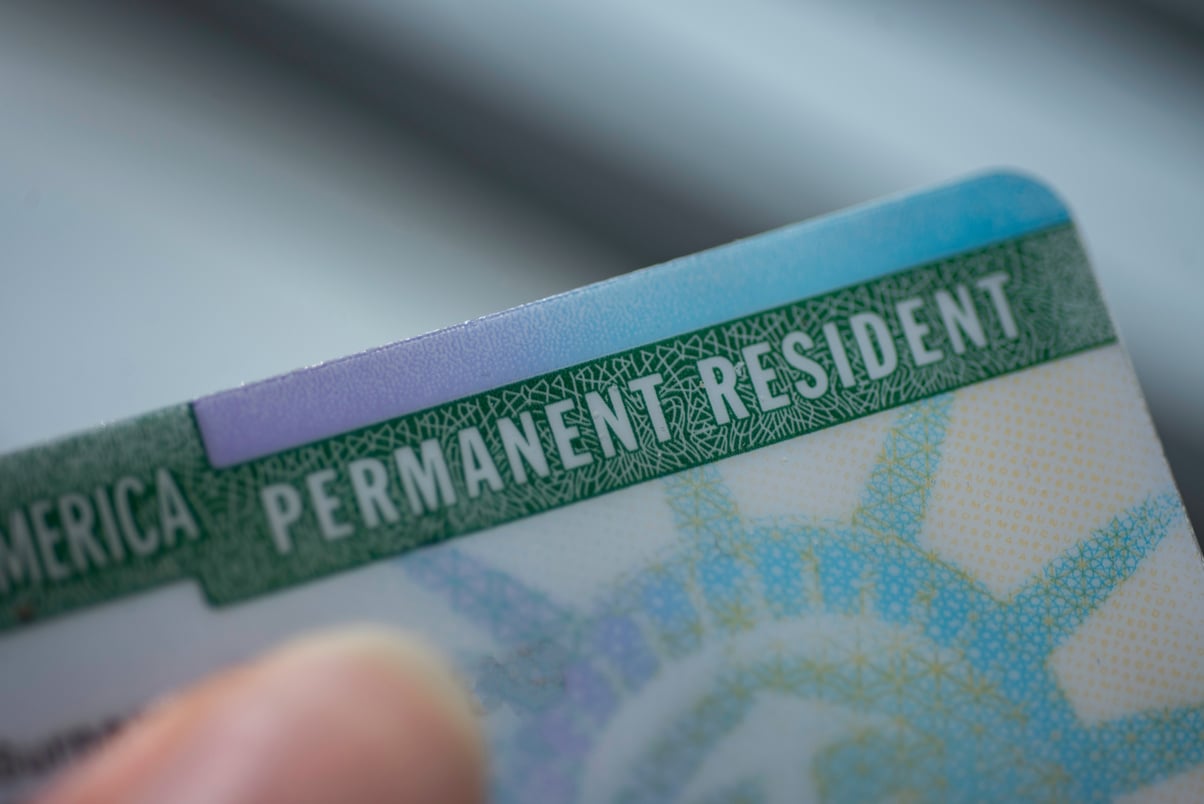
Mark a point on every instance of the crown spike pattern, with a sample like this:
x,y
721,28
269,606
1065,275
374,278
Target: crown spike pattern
x,y
954,681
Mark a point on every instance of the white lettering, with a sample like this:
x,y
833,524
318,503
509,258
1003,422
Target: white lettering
x,y
282,506
326,505
108,525
960,316
478,463
522,446
914,332
141,543
646,387
425,480
839,356
18,558
761,378
993,285
611,419
77,519
174,513
793,346
369,482
48,539
876,345
719,379
564,435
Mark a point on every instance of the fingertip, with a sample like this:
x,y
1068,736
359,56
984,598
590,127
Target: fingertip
x,y
353,715
417,666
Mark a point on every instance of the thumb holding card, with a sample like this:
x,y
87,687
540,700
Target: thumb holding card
x,y
352,716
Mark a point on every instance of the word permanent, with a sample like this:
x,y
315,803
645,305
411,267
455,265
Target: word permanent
x,y
627,415
138,504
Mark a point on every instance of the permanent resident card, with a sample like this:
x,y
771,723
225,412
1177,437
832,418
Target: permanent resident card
x,y
867,508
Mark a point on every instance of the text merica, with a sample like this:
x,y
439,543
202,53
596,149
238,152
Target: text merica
x,y
53,540
138,504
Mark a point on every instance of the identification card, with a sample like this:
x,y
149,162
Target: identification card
x,y
866,508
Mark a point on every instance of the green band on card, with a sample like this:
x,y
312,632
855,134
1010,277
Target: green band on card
x,y
138,504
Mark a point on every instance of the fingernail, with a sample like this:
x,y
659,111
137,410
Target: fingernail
x,y
349,716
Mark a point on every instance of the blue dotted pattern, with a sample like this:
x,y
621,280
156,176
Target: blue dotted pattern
x,y
956,680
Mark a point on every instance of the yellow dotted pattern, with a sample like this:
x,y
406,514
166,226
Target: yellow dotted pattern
x,y
1145,647
1034,462
822,475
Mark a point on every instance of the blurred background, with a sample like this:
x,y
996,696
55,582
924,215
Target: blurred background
x,y
198,194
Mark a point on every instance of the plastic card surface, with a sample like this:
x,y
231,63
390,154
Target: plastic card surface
x,y
867,508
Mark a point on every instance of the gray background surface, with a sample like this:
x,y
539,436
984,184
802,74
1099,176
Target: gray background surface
x,y
195,194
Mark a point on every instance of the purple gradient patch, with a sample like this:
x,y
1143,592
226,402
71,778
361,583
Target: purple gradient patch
x,y
622,313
